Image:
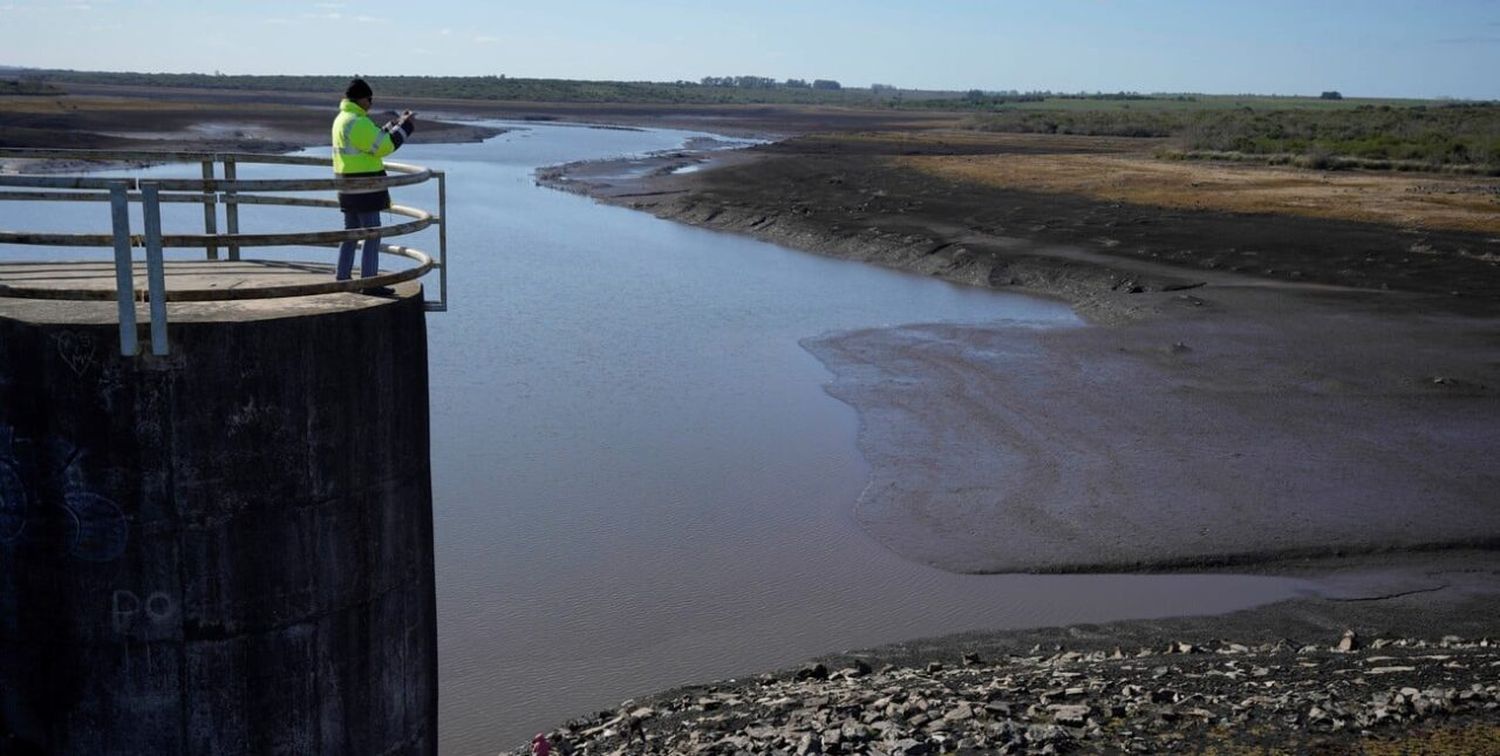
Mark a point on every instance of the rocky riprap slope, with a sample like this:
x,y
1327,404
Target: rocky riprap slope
x,y
1224,695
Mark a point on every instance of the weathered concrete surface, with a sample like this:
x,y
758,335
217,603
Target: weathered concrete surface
x,y
181,275
225,551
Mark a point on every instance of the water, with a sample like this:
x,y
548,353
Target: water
x,y
638,479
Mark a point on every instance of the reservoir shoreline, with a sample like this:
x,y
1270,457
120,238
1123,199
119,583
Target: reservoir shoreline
x,y
1172,434
1319,412
1221,328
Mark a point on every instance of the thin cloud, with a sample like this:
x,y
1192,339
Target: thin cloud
x,y
486,39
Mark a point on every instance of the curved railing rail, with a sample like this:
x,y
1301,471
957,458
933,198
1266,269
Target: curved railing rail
x,y
211,191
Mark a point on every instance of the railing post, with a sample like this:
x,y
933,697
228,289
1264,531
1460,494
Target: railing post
x,y
231,209
155,275
119,205
210,213
442,178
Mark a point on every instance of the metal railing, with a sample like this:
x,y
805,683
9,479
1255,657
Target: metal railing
x,y
211,191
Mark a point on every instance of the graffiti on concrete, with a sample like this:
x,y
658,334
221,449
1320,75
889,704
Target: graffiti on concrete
x,y
77,351
98,530
12,504
13,499
43,489
128,610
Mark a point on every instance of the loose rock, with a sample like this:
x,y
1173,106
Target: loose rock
x,y
1185,697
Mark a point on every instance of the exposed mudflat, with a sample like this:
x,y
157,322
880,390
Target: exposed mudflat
x,y
1340,397
860,198
1319,427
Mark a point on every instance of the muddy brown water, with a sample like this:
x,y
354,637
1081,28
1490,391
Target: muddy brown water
x,y
638,478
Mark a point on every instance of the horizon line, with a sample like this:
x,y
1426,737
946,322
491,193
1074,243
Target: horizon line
x,y
687,82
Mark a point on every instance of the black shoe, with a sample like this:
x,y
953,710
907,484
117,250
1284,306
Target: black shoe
x,y
381,291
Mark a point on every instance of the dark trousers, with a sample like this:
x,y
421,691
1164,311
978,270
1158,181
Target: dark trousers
x,y
369,263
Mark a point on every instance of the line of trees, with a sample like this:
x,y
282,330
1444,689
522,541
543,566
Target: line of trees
x,y
765,82
711,90
1038,95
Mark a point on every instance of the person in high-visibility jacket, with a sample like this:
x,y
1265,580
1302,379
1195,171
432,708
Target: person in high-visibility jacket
x,y
358,146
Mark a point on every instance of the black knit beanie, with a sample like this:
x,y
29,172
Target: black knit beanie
x,y
358,90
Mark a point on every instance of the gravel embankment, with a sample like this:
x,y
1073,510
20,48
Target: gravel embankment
x,y
1223,695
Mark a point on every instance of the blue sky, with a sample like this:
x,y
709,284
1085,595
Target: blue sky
x,y
1371,47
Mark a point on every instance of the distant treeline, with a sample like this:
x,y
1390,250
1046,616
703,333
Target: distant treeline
x,y
762,82
1368,136
708,90
711,90
983,99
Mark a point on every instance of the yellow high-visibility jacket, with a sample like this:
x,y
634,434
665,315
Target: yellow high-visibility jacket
x,y
358,146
